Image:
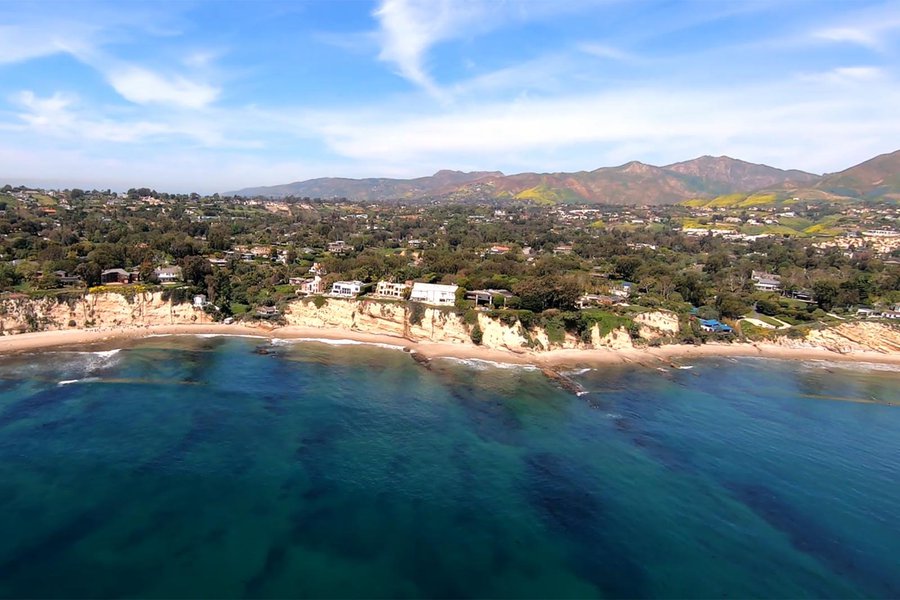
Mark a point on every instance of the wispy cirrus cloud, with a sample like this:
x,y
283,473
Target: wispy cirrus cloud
x,y
875,29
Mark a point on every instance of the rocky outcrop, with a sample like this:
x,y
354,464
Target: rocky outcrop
x,y
851,337
19,314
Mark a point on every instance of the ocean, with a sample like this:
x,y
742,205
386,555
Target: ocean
x,y
195,466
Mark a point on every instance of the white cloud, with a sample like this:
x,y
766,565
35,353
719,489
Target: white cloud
x,y
847,75
143,86
605,51
853,35
875,29
812,120
409,28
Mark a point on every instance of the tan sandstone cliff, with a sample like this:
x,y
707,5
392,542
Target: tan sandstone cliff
x,y
445,326
102,310
850,337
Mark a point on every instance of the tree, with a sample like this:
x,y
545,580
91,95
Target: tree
x,y
538,294
194,269
90,272
826,291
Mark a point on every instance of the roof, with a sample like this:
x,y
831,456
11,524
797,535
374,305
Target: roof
x,y
434,287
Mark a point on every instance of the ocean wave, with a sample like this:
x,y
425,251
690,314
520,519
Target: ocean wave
x,y
576,372
482,364
852,365
83,380
335,342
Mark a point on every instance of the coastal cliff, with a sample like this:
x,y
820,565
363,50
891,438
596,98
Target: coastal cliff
x,y
105,310
445,326
846,338
116,311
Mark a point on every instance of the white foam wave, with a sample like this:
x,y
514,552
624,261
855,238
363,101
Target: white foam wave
x,y
482,364
336,342
577,372
234,335
71,381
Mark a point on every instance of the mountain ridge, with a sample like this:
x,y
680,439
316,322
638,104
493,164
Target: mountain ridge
x,y
633,182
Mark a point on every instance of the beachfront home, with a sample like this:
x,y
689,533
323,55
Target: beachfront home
x,y
388,289
267,312
434,293
67,280
714,326
487,296
168,275
115,276
346,289
588,300
310,287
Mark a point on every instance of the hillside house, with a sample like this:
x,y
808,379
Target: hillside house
x,y
766,282
338,247
434,293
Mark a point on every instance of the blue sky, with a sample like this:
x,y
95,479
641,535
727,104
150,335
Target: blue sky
x,y
214,96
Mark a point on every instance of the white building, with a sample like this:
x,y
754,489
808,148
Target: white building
x,y
346,289
434,293
168,274
766,282
387,289
307,286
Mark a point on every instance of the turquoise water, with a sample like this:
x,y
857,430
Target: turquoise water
x,y
187,467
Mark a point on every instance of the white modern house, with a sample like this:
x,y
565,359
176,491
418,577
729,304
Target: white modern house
x,y
346,289
434,293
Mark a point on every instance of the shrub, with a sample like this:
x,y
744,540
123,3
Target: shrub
x,y
319,301
416,313
477,335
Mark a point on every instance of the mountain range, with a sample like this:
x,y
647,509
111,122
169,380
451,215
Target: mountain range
x,y
705,177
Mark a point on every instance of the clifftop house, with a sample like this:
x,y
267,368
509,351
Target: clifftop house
x,y
434,293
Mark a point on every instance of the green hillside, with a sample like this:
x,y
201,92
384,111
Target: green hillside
x,y
544,194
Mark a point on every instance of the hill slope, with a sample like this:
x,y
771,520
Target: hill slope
x,y
725,175
877,177
703,178
369,189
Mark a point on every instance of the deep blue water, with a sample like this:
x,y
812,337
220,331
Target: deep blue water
x,y
189,467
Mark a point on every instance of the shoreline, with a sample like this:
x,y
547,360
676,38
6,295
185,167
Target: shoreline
x,y
550,359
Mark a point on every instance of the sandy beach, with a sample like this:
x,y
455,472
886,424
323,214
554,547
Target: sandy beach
x,y
647,356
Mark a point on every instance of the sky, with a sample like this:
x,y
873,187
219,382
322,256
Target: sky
x,y
215,96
